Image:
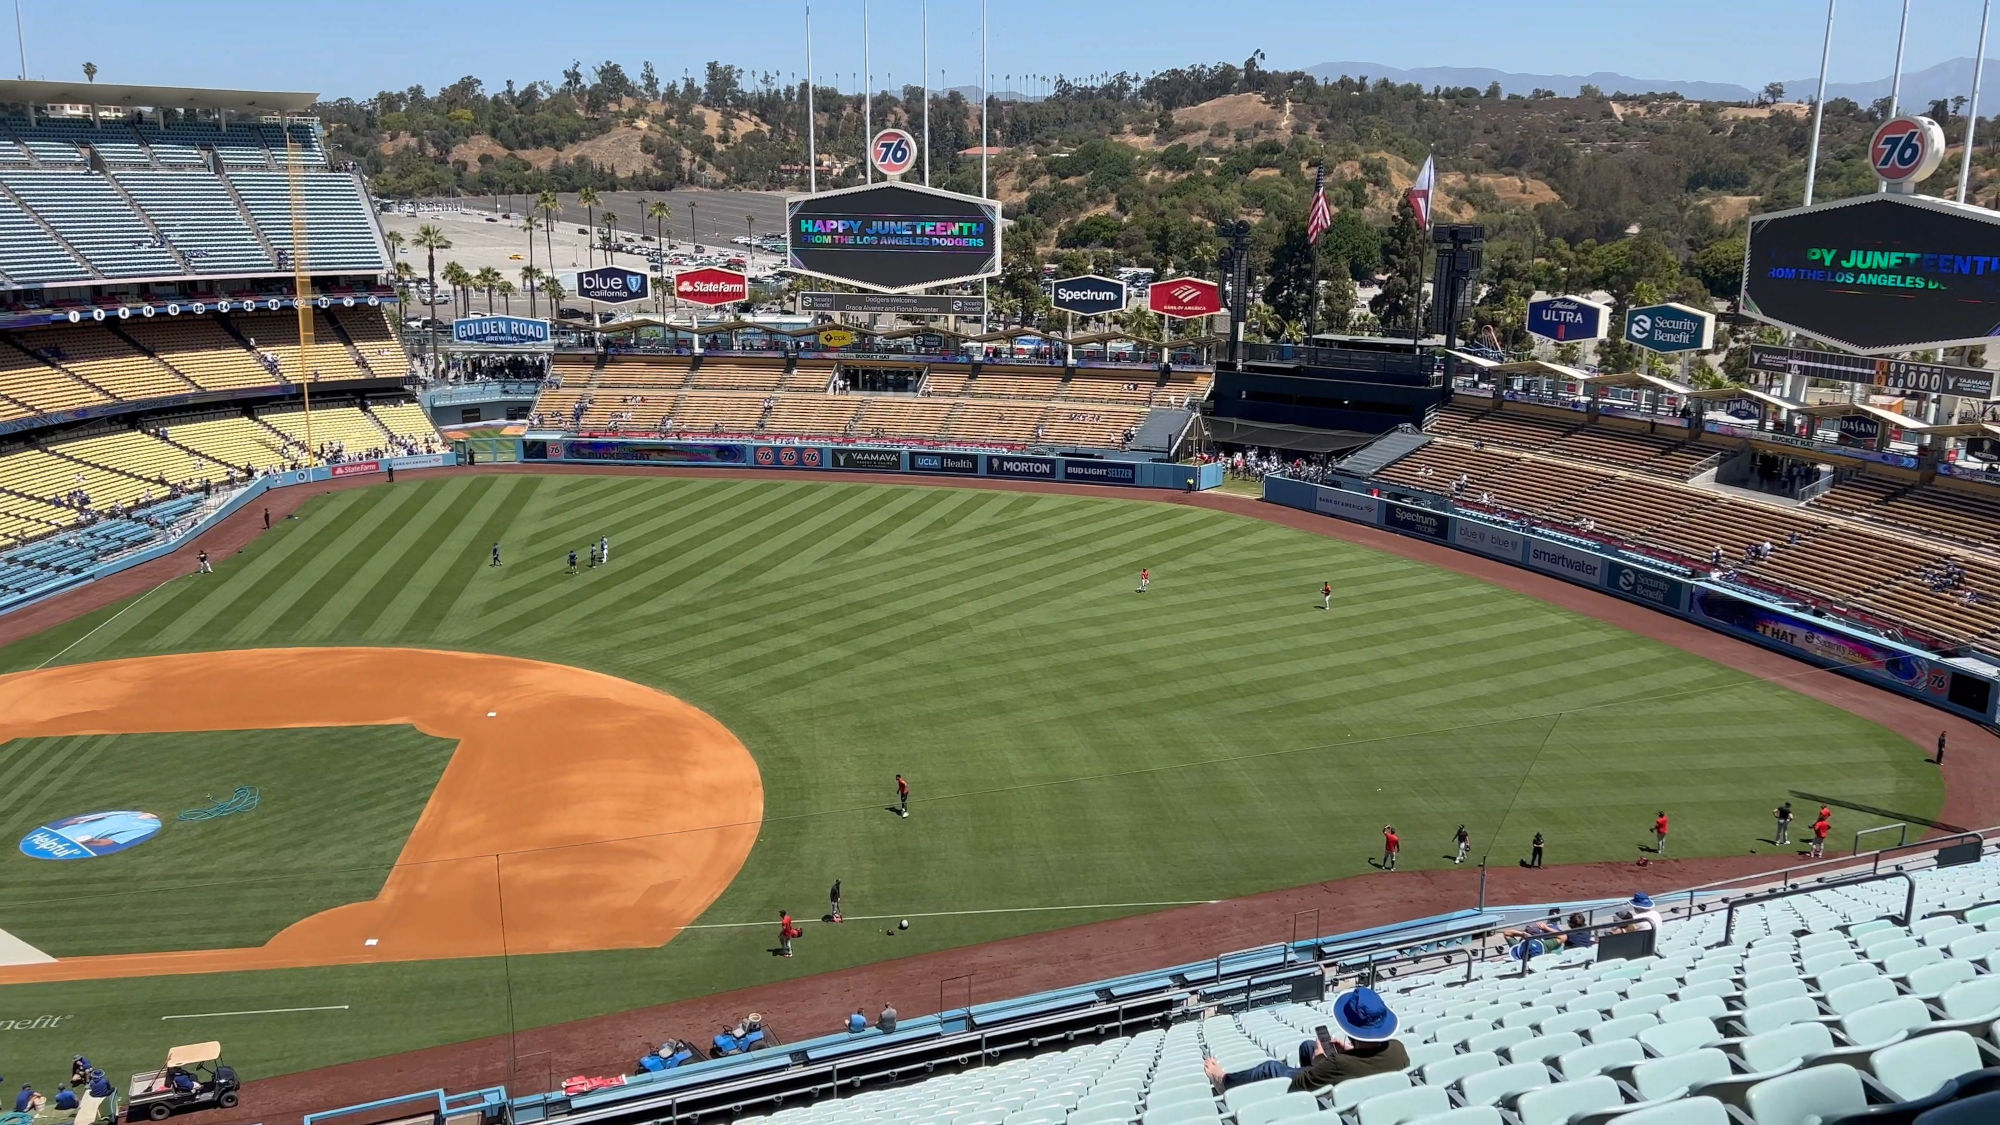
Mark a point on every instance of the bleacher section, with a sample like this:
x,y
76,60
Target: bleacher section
x,y
1674,454
201,221
340,231
27,254
1001,407
92,217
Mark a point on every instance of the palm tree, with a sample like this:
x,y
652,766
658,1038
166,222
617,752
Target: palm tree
x,y
430,239
547,203
610,234
750,229
530,284
506,291
487,279
395,240
590,199
529,224
460,279
660,213
403,275
90,72
553,290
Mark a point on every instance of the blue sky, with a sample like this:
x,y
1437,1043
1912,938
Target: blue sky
x,y
358,47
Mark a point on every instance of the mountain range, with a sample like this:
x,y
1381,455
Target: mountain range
x,y
1920,87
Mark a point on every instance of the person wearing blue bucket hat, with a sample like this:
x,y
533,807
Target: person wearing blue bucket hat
x,y
1364,1043
1643,913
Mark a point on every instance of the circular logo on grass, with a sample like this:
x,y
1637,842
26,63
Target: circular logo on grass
x,y
90,835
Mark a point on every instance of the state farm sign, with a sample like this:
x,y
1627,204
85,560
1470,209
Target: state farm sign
x,y
711,286
1184,297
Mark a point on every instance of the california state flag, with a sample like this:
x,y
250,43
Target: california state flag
x,y
1420,193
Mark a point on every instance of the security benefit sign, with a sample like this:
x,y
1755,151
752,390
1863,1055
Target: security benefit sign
x,y
612,285
1877,274
893,237
1670,328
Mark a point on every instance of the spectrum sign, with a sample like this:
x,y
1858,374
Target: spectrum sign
x,y
893,237
711,287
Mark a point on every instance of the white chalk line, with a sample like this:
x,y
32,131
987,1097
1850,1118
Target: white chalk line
x,y
100,625
257,1012
962,913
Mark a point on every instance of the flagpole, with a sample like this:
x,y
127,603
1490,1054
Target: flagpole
x,y
927,92
1819,105
1972,110
867,104
812,123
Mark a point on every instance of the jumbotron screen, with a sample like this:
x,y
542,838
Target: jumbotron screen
x,y
893,237
1878,274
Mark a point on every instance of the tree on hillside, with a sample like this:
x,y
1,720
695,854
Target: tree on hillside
x,y
1354,243
1774,92
1292,291
1400,304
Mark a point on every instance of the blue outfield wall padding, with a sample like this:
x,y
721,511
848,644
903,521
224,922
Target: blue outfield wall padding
x,y
923,461
1824,642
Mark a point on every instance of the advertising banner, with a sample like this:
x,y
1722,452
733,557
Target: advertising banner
x,y
419,461
1646,586
1573,563
788,457
1670,328
612,285
926,462
689,453
356,468
710,287
878,460
1101,472
1089,295
1568,318
1485,539
500,331
893,237
1887,374
904,304
1416,521
1033,468
1808,638
1184,297
1347,505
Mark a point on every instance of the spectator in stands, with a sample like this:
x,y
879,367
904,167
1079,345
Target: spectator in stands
x,y
887,1020
1366,1044
1579,936
1643,914
857,1023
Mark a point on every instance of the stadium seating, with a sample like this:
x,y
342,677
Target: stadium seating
x,y
1761,1029
96,354
92,217
200,220
340,231
202,349
27,254
1670,454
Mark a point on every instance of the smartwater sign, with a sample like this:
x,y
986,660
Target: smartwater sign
x,y
1568,318
612,285
1646,586
500,331
1572,563
1347,505
1670,328
1416,521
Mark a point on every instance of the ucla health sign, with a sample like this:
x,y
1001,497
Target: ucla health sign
x,y
612,285
1670,329
500,331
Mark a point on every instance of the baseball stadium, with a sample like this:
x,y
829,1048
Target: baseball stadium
x,y
615,739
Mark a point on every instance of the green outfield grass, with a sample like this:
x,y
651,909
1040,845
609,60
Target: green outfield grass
x,y
333,808
1071,743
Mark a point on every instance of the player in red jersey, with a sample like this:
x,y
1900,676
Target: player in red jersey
x,y
1145,579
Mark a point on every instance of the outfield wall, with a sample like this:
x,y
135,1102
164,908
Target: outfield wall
x,y
1782,628
873,459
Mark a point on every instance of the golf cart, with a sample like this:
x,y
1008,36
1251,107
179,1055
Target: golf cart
x,y
194,1078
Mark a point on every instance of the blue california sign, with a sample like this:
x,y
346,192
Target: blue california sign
x,y
90,835
611,285
1567,318
1670,328
500,331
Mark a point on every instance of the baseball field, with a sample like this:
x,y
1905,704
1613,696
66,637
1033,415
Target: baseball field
x,y
405,797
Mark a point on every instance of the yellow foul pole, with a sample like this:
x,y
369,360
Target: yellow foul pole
x,y
295,173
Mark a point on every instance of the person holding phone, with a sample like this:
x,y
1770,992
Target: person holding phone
x,y
1361,1042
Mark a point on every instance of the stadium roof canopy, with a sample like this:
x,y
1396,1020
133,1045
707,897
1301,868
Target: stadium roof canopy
x,y
155,97
1637,381
1753,394
1539,369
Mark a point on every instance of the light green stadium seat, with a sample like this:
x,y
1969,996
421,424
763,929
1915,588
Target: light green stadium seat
x,y
1543,1048
1766,1017
1918,1068
1700,989
1806,1097
1831,959
1672,1076
1571,1020
1555,1105
1689,1111
1422,1054
1878,1025
1640,1005
1784,1046
1498,1038
1931,981
1599,1057
1251,1093
1849,998
1881,951
1975,945
1460,1031
1775,991
1910,960
1182,1113
1444,1072
1662,986
1943,936
1848,973
1285,1107
1528,1017
1402,1106
1466,1115
1976,1001
1102,1115
1624,1028
1487,1087
1680,1036
1354,1091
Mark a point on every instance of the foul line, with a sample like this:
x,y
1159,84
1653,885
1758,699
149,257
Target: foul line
x,y
100,625
257,1012
961,913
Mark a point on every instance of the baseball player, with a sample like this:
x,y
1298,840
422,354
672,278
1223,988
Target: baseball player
x,y
201,564
1660,833
902,797
1145,579
604,550
833,897
572,562
1464,840
1783,815
1391,844
1326,595
496,555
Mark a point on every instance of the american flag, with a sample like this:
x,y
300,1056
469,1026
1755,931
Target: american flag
x,y
1321,216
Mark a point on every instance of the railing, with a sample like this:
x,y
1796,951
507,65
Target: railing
x,y
1909,902
1901,828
